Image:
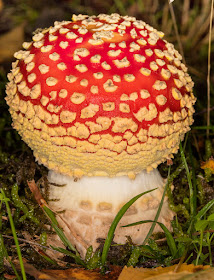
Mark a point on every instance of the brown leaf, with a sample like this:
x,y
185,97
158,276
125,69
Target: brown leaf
x,y
11,42
9,277
159,272
73,274
82,274
201,275
36,192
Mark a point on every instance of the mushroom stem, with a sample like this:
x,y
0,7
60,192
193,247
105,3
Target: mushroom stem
x,y
90,204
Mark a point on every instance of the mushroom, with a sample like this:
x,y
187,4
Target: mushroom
x,y
102,101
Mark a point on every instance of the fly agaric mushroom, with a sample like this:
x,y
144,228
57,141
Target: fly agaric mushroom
x,y
102,99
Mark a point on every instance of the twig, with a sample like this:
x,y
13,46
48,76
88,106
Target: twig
x,y
30,242
204,111
178,266
209,68
161,240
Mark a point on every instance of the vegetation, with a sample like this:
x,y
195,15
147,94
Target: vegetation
x,y
23,222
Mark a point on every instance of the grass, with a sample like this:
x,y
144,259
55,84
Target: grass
x,y
5,200
159,209
61,235
199,222
180,246
193,228
192,195
114,224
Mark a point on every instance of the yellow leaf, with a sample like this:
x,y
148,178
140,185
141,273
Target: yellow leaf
x,y
159,273
208,164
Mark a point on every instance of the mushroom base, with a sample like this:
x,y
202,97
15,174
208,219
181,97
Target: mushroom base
x,y
90,204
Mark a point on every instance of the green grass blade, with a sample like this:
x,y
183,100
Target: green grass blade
x,y
14,235
114,224
191,191
193,179
48,259
169,238
203,127
189,180
4,254
159,209
204,210
70,254
60,232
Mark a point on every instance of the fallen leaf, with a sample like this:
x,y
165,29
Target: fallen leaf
x,y
201,275
159,272
36,192
73,274
10,277
82,274
208,164
11,42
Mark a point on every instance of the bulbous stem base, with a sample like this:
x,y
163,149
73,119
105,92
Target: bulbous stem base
x,y
90,204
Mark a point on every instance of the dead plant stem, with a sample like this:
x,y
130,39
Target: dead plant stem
x,y
209,68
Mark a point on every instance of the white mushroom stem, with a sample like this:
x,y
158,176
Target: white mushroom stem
x,y
91,203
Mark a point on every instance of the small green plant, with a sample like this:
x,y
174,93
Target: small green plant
x,y
3,253
184,243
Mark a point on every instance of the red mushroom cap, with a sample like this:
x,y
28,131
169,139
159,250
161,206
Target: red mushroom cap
x,y
100,95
